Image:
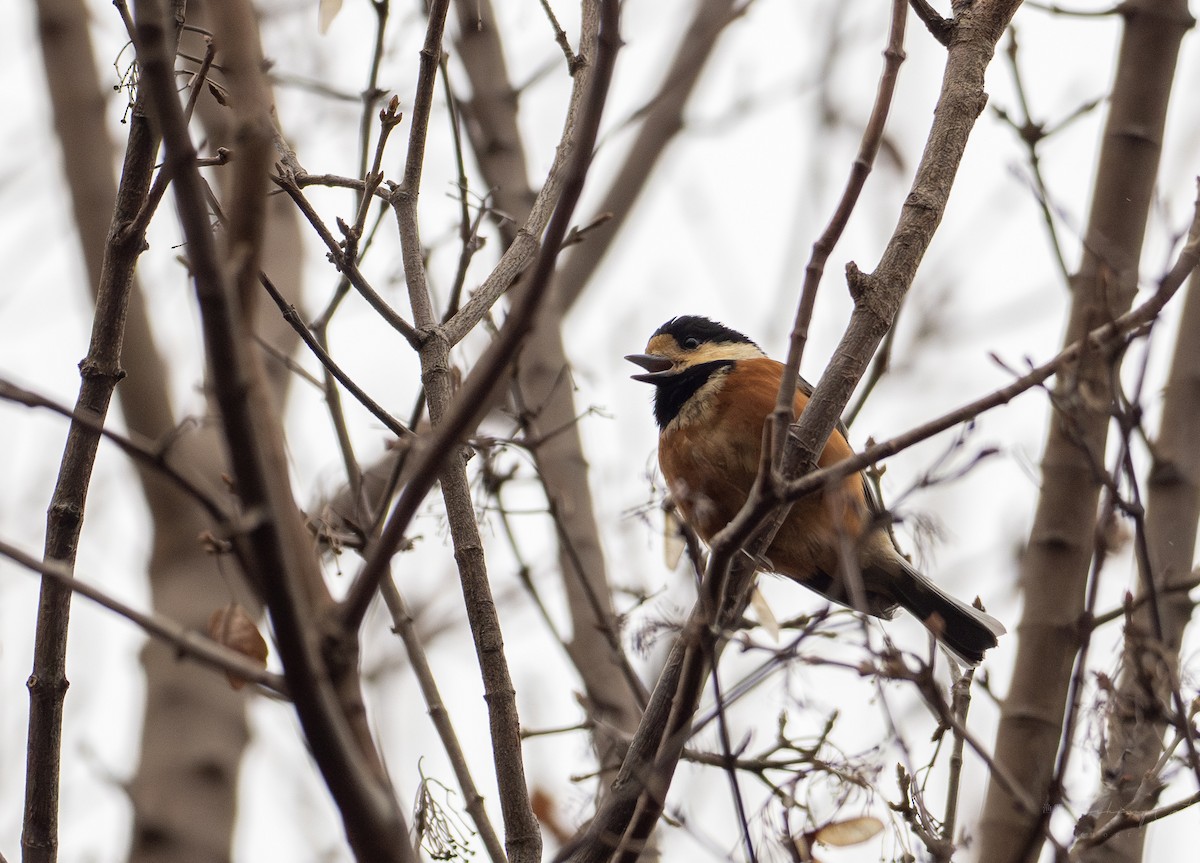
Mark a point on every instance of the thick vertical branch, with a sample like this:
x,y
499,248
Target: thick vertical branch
x,y
100,371
278,546
1137,723
1055,566
194,729
522,835
543,397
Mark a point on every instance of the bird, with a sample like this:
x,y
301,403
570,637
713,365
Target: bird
x,y
713,391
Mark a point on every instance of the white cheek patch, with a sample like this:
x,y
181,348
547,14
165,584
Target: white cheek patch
x,y
725,351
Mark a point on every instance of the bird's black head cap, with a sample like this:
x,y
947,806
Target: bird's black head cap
x,y
702,329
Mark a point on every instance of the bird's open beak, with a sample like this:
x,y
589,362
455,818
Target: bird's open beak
x,y
656,367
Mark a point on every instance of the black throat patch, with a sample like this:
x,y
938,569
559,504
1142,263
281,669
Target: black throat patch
x,y
672,393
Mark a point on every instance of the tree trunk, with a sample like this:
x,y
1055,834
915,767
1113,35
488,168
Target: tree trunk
x,y
1136,720
1055,568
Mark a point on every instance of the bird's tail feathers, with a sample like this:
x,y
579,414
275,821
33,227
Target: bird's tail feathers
x,y
962,629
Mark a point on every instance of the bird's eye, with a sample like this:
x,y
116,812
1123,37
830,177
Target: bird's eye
x,y
690,344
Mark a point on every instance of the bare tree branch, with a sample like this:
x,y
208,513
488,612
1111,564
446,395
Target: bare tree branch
x,y
284,567
1103,339
143,455
292,315
100,372
184,641
543,402
1135,726
1125,820
869,148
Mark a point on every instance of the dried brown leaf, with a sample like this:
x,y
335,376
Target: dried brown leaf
x,y
233,627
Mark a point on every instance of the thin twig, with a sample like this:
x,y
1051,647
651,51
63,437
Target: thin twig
x,y
1031,135
868,149
389,119
137,227
468,227
735,788
292,315
560,37
1120,612
1148,576
141,452
960,704
185,641
924,681
940,28
1130,820
402,623
371,92
287,181
1100,339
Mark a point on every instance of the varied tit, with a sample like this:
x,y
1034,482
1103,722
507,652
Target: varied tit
x,y
714,389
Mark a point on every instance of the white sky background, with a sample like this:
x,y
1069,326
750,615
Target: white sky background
x,y
723,231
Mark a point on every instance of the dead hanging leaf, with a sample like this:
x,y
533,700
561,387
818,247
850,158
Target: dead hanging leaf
x,y
853,831
326,12
217,94
235,629
673,544
766,617
837,834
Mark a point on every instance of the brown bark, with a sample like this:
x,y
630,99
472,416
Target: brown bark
x,y
1055,568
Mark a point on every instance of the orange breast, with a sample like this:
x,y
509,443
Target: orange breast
x,y
710,465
